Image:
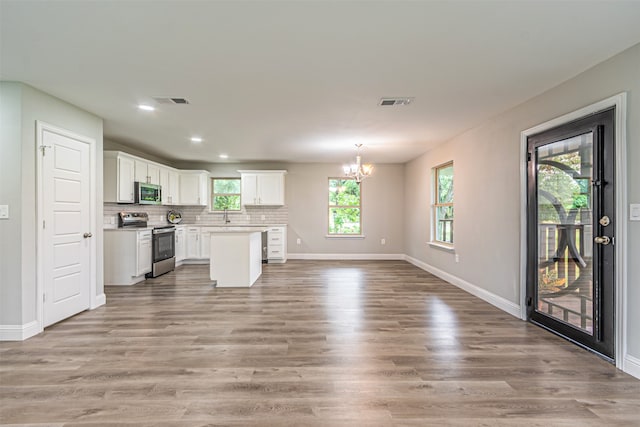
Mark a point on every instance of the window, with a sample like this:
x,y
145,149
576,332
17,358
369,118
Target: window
x,y
344,207
225,194
443,204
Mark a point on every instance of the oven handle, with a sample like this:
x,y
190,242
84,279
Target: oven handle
x,y
162,231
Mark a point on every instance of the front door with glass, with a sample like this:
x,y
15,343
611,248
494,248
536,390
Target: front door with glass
x,y
570,231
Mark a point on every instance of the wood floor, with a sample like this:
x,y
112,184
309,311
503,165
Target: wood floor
x,y
312,343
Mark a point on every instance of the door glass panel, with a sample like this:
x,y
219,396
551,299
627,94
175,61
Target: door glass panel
x,y
565,231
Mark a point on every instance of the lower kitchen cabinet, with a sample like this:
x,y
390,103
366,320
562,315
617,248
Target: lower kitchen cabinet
x,y
277,244
205,242
127,256
180,244
193,243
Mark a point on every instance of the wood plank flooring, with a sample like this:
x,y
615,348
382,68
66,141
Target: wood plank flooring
x,y
312,343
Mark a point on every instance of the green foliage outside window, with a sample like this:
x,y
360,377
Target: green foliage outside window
x,y
344,207
225,194
444,204
572,193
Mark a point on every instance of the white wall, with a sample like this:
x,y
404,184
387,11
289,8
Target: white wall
x,y
26,105
487,186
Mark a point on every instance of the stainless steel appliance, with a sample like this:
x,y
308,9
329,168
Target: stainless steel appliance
x,y
132,219
164,251
148,194
265,247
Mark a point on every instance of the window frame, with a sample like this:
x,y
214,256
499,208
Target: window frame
x,y
214,194
330,206
435,205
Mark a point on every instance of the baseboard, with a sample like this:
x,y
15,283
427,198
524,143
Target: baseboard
x,y
392,257
493,299
19,332
632,366
100,301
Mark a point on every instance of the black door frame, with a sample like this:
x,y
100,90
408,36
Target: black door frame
x,y
601,126
619,101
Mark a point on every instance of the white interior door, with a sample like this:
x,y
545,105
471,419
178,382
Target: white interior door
x,y
67,234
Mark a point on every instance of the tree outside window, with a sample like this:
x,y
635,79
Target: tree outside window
x,y
443,206
225,194
344,207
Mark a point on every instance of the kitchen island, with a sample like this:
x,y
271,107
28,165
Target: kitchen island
x,y
236,256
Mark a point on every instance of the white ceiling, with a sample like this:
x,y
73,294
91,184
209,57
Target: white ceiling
x,y
300,81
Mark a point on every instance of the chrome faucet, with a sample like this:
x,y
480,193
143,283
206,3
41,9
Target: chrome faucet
x,y
225,216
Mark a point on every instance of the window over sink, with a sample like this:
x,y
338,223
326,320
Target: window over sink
x,y
225,194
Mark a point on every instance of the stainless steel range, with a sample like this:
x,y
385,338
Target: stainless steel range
x,y
164,251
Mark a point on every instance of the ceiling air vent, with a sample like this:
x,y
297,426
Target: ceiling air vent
x,y
170,100
395,101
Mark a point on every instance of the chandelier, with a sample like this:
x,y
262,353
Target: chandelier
x,y
357,170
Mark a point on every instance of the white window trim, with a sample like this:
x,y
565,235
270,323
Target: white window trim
x,y
343,236
212,194
433,242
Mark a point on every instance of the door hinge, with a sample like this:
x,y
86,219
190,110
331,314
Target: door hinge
x,y
528,157
43,224
43,147
529,301
44,297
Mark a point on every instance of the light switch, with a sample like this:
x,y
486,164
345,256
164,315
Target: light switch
x,y
634,212
4,211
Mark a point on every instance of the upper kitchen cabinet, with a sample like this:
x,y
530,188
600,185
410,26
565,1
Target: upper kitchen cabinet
x,y
262,187
119,176
170,184
147,172
193,188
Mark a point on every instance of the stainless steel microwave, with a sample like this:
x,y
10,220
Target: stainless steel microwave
x,y
148,194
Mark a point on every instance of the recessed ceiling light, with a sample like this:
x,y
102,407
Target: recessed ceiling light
x,y
224,156
146,107
196,139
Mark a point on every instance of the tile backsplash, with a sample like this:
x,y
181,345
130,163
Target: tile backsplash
x,y
200,215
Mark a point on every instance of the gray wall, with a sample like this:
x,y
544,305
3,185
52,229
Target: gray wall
x,y
10,194
26,105
487,186
307,202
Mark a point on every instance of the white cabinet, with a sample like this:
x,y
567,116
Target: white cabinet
x,y
194,188
263,187
144,253
277,244
193,243
170,183
147,172
205,241
119,175
180,244
127,256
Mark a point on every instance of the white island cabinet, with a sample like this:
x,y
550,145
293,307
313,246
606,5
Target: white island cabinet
x,y
236,256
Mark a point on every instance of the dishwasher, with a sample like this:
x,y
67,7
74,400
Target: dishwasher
x,y
265,247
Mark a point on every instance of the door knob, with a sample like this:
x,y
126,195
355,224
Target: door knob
x,y
87,235
602,240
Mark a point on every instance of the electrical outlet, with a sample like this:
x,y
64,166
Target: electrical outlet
x,y
457,258
161,217
299,241
197,217
634,212
383,241
4,211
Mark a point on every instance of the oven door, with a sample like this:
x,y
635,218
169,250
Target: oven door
x,y
163,245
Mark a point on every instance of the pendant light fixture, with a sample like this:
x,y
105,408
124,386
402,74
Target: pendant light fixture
x,y
357,170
